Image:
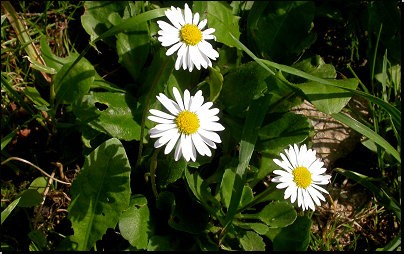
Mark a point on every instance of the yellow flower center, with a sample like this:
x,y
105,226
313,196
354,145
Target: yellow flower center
x,y
190,34
302,177
187,122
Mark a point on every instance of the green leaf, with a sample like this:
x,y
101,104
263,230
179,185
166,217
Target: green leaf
x,y
255,117
327,99
278,131
241,86
119,114
291,238
34,96
100,193
135,226
228,59
220,17
367,132
202,192
260,228
215,81
52,60
277,27
39,184
6,212
169,170
76,83
30,198
97,18
133,46
131,22
276,215
251,241
315,66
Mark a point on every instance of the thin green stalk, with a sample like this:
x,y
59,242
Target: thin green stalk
x,y
153,168
146,108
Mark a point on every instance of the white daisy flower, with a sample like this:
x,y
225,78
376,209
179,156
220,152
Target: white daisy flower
x,y
191,123
302,176
187,37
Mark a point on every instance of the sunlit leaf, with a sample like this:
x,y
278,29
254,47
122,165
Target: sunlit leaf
x,y
220,18
135,225
100,193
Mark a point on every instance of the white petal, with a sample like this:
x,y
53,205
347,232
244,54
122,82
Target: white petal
x,y
314,195
282,185
168,41
300,198
172,16
210,135
195,57
169,104
202,24
281,164
281,172
202,148
196,19
293,190
165,138
209,142
164,126
212,119
203,114
154,133
287,164
193,151
187,98
319,188
178,98
208,31
174,48
159,120
180,16
186,147
188,14
208,50
178,150
204,108
167,27
172,143
211,126
308,200
196,103
161,114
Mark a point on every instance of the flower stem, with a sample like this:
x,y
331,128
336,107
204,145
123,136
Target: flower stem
x,y
153,168
146,108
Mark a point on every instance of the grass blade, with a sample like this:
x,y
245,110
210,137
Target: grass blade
x,y
9,209
389,202
131,22
367,132
394,112
255,117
